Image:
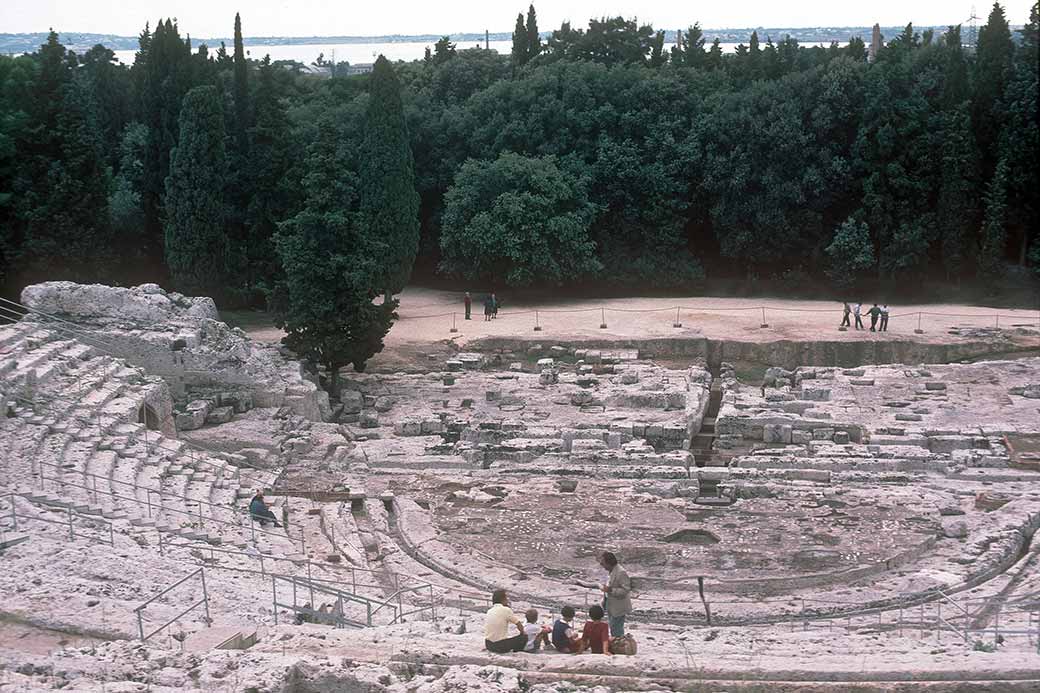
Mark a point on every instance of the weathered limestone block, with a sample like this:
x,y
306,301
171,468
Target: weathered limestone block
x,y
799,437
841,437
432,427
194,415
516,366
862,382
587,445
383,404
955,529
220,415
614,441
823,433
546,363
369,420
408,427
629,378
947,444
908,417
777,433
934,385
352,401
453,365
470,361
815,394
548,376
822,476
492,395
581,398
567,485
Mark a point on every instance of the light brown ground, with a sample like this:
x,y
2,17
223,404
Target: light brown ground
x,y
426,318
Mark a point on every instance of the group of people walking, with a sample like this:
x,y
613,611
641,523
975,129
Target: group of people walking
x,y
878,316
598,636
490,306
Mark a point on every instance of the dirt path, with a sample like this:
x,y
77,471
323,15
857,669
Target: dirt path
x,y
427,317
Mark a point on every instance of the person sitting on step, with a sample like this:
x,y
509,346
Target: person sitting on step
x,y
259,511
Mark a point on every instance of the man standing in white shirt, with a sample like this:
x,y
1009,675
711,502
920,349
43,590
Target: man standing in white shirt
x,y
496,626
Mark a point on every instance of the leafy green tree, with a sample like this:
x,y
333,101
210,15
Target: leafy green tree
x,y
17,76
164,61
993,61
63,191
332,272
534,41
518,220
389,202
125,201
270,200
690,49
957,212
443,50
658,57
196,245
850,253
994,225
109,84
519,52
1019,146
714,58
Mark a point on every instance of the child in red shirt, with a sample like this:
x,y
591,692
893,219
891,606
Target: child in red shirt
x,y
595,637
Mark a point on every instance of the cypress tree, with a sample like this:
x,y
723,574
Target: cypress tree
x,y
534,43
519,52
163,87
241,91
240,170
992,66
994,224
196,245
63,195
331,275
956,201
389,203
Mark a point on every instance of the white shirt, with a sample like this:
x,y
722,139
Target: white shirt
x,y
496,625
531,630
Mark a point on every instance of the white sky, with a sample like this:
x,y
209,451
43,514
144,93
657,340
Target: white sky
x,y
215,18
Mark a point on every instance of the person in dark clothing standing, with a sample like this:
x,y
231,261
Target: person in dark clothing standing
x,y
845,318
467,301
494,307
489,306
875,312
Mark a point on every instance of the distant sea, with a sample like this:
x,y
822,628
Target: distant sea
x,y
357,53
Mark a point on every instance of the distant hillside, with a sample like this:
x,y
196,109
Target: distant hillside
x,y
79,42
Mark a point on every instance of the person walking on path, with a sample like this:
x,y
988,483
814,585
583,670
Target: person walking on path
x,y
618,603
845,316
489,306
857,311
884,317
467,301
496,626
875,313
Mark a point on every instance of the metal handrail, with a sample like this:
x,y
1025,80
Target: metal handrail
x,y
134,499
204,601
14,515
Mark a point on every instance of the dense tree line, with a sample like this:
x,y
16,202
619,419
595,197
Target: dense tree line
x,y
598,155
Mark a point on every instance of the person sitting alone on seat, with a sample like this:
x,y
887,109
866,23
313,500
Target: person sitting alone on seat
x,y
259,511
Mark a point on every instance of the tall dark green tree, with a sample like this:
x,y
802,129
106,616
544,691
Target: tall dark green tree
x,y
993,238
196,245
165,62
241,92
956,205
534,41
326,302
63,192
519,52
993,58
270,198
389,209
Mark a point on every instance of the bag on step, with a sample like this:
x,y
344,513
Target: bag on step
x,y
623,645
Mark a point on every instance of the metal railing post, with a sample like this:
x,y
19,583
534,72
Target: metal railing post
x,y
368,618
274,595
140,625
205,597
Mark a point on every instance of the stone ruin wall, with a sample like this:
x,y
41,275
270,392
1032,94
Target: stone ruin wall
x,y
182,340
